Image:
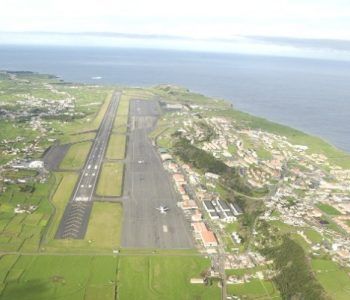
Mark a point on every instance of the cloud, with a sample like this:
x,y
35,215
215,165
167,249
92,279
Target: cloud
x,y
195,18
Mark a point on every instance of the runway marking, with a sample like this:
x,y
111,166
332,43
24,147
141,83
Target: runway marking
x,y
165,228
82,186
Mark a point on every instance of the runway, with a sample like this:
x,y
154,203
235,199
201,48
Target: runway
x,y
76,216
147,186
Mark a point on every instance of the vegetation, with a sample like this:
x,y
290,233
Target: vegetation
x,y
255,289
76,156
59,277
121,119
101,113
328,209
335,280
24,231
206,162
103,277
295,279
162,277
76,138
59,200
199,158
110,180
116,147
103,236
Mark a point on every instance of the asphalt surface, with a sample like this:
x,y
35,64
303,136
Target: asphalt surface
x,y
147,186
76,216
54,156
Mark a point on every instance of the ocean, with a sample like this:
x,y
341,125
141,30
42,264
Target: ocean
x,y
308,94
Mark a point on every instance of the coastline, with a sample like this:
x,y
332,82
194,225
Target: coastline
x,y
316,144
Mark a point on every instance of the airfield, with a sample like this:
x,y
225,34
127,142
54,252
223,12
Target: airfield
x,y
76,216
146,187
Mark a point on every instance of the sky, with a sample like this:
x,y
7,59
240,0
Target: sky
x,y
220,21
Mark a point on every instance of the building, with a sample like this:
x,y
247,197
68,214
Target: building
x,y
208,237
166,157
208,205
223,205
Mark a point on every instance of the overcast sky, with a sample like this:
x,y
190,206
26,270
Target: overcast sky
x,y
194,18
276,27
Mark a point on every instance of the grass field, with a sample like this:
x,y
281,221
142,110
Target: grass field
x,y
121,119
334,280
313,235
111,179
58,277
255,289
116,147
76,138
328,209
60,199
76,156
120,124
101,235
100,277
263,154
123,107
95,124
162,277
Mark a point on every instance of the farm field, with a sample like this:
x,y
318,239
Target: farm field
x,y
58,277
116,147
110,180
76,156
255,289
100,277
328,209
335,280
24,231
162,277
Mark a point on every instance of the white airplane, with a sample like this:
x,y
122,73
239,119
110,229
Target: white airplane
x,y
162,209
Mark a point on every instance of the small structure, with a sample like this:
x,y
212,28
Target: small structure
x,y
36,164
197,280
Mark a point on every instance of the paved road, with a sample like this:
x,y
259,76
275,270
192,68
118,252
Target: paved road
x,y
76,216
147,186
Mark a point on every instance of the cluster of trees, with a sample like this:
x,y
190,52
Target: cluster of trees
x,y
199,158
295,279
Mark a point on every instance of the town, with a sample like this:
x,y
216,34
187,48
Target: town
x,y
307,195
